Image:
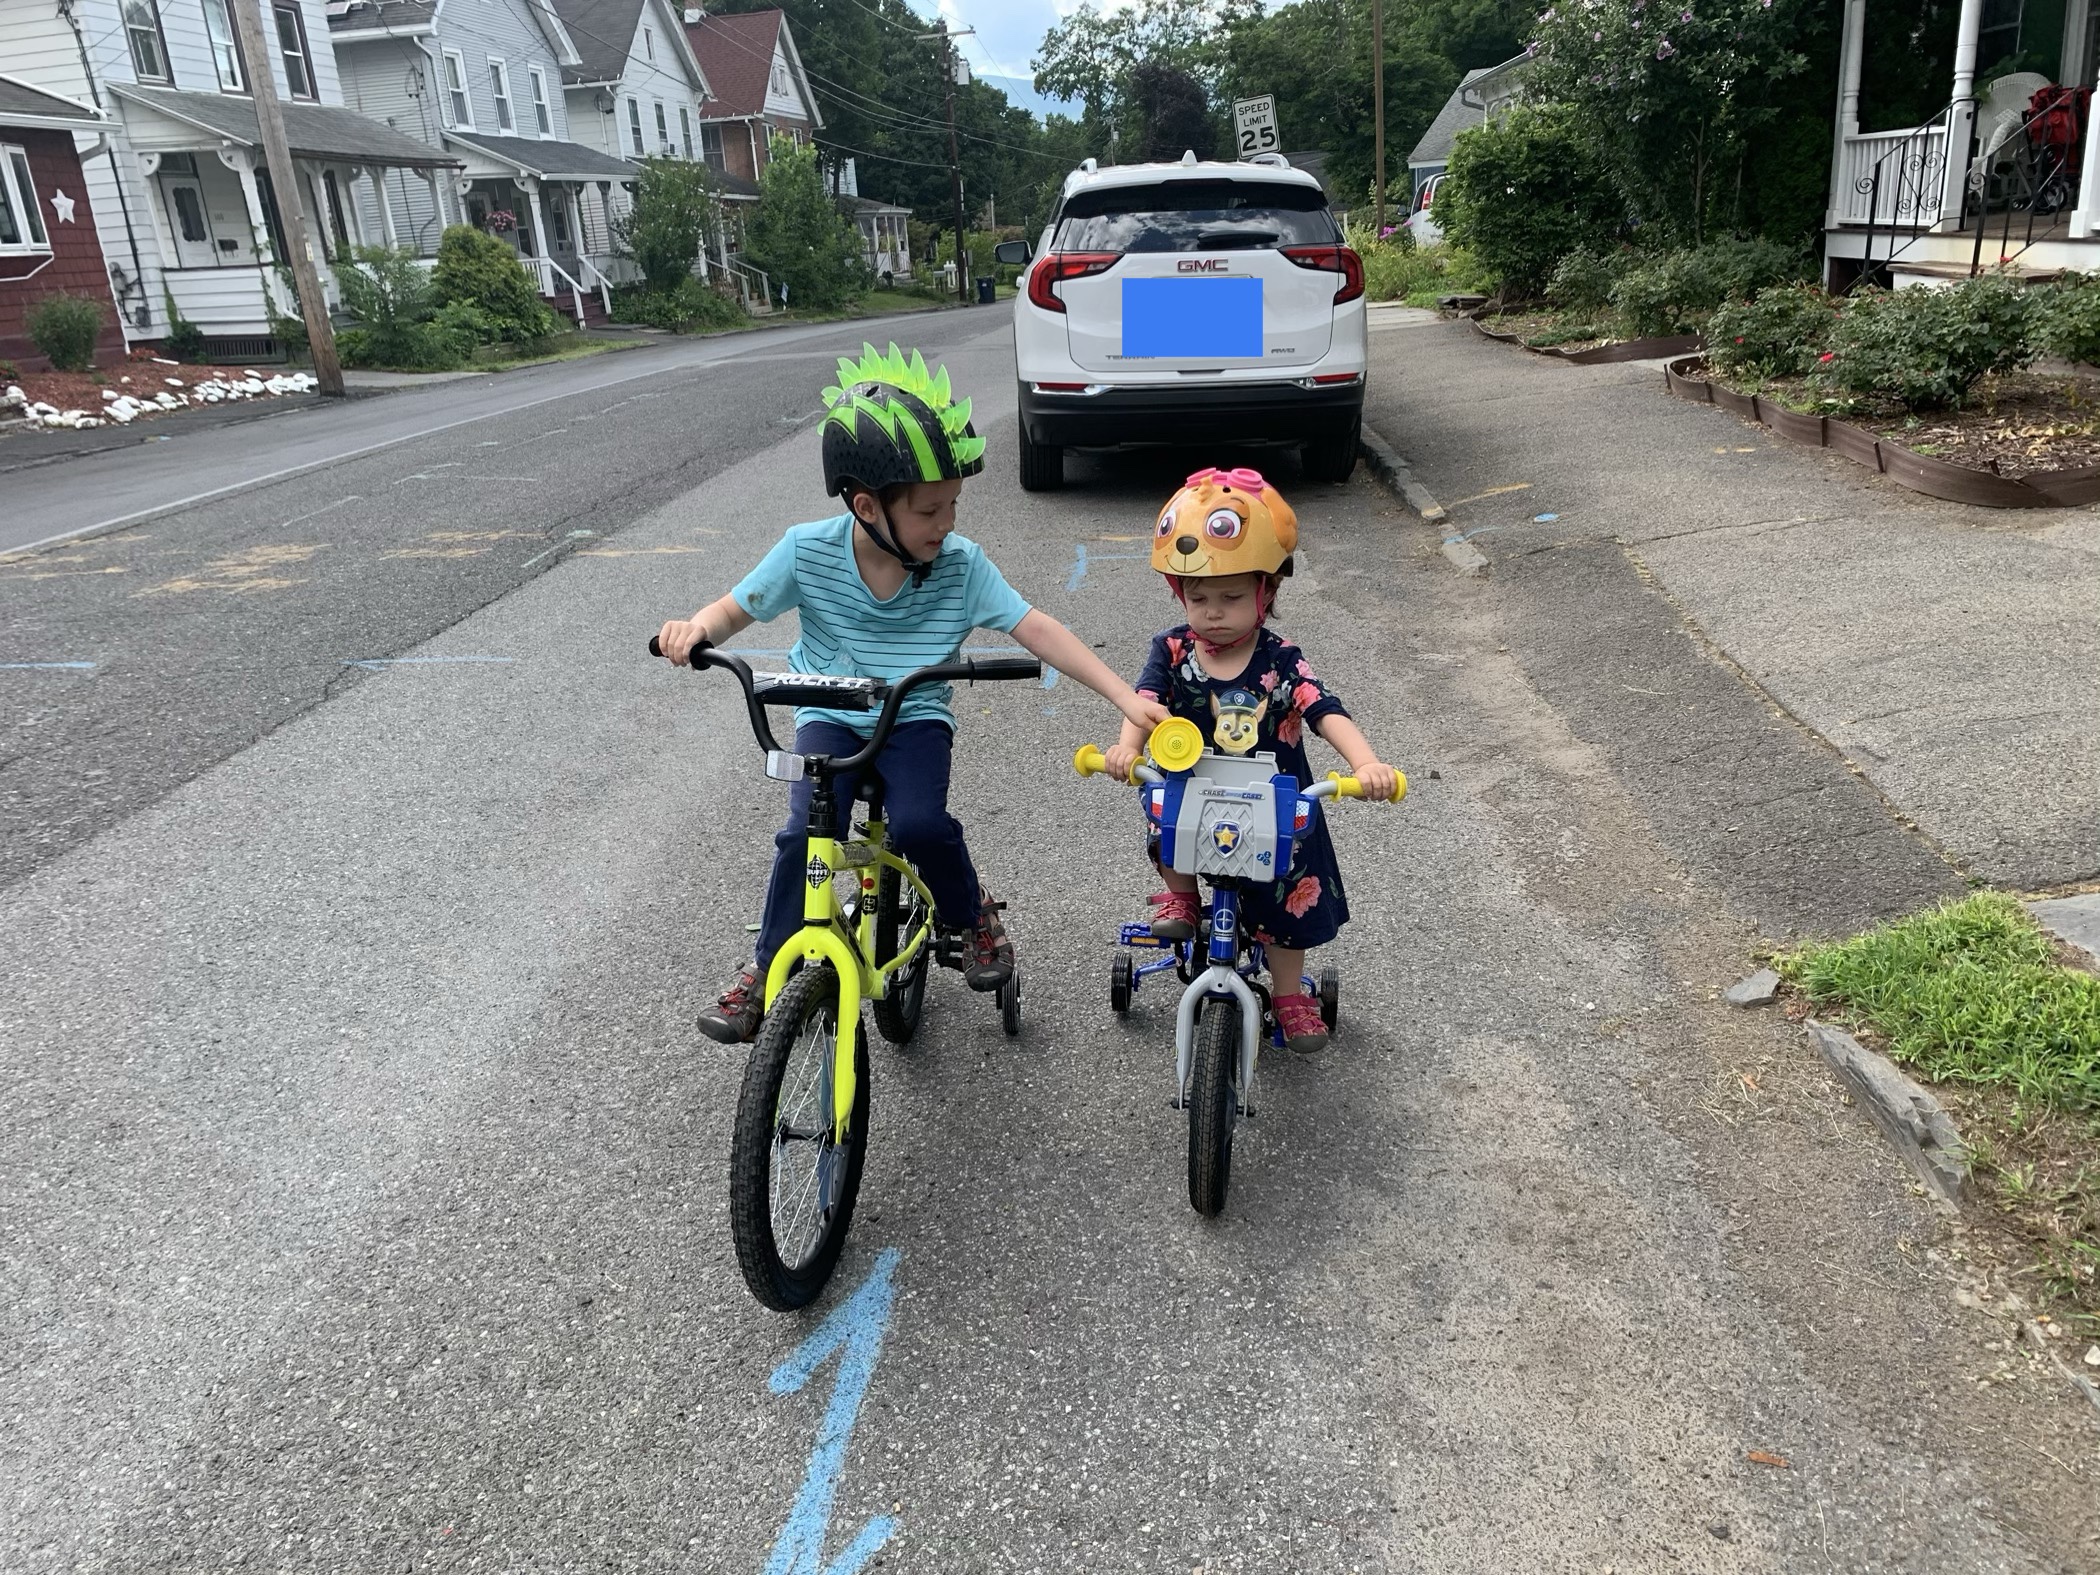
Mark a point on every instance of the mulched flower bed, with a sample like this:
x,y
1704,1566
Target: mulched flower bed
x,y
2022,440
136,390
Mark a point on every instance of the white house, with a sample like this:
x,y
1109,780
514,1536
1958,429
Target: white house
x,y
178,185
481,80
1985,180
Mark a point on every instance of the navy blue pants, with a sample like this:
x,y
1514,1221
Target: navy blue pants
x,y
914,768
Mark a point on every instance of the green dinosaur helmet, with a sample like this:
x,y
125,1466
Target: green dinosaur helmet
x,y
888,421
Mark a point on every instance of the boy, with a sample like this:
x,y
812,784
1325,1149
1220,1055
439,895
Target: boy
x,y
883,589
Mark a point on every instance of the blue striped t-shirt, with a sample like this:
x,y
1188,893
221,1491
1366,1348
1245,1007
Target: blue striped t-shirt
x,y
847,632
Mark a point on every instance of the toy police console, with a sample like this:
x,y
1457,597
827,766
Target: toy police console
x,y
1230,818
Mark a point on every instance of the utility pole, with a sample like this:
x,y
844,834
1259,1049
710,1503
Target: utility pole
x,y
1378,112
962,283
284,187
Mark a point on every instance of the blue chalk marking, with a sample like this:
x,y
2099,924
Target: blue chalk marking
x,y
855,1329
1207,318
1085,560
1544,519
1469,535
374,663
68,667
1078,567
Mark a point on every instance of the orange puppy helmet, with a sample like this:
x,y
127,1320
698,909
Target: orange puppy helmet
x,y
1224,522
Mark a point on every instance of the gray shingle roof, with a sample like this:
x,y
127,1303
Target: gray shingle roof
x,y
602,29
315,131
20,98
547,159
1454,117
361,16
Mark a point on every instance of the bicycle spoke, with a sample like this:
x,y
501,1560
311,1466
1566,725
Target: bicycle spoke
x,y
804,1118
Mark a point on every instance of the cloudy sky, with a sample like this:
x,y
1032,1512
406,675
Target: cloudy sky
x,y
1008,31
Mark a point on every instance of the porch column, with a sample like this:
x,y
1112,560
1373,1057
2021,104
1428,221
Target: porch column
x,y
437,197
539,218
386,208
1961,115
156,198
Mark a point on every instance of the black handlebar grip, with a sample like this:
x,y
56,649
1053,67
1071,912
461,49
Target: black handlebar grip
x,y
692,658
1005,667
654,648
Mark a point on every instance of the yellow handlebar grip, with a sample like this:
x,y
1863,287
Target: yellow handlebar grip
x,y
1351,788
1088,761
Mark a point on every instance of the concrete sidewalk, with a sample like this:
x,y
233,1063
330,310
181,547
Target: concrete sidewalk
x,y
1950,654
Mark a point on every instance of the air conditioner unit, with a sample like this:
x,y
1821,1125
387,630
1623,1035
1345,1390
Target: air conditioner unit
x,y
692,14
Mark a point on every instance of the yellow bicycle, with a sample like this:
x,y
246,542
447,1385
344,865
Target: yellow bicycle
x,y
802,1115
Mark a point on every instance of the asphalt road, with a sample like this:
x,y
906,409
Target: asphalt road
x,y
363,1174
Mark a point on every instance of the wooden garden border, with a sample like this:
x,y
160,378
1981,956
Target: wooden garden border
x,y
1628,350
1937,478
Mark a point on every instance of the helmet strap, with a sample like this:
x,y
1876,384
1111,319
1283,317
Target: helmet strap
x,y
885,537
1264,598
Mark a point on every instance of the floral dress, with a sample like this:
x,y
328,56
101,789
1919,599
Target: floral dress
x,y
1264,709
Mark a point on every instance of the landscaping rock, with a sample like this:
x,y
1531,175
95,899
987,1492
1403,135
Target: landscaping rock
x,y
1911,1119
1760,989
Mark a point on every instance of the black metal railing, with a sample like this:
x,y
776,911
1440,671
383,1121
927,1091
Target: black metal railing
x,y
1906,189
2024,182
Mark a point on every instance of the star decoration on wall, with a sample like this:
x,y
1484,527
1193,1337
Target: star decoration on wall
x,y
62,205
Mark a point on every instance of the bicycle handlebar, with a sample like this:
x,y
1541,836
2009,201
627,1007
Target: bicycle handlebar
x,y
1088,761
850,694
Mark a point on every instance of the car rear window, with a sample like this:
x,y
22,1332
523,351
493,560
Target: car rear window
x,y
1194,216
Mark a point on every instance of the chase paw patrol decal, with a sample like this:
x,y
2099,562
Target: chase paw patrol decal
x,y
1238,714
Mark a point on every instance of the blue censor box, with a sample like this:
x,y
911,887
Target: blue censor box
x,y
1192,317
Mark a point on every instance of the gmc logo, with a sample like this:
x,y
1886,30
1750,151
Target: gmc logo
x,y
1203,265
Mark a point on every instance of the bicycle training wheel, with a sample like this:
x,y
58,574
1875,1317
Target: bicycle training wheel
x,y
898,912
792,1182
1214,1104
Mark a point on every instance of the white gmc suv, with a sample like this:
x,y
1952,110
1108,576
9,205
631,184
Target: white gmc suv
x,y
1189,302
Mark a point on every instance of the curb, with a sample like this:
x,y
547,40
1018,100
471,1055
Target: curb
x,y
1393,473
1911,1119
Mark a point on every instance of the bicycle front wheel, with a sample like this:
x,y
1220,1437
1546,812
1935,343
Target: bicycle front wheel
x,y
792,1179
1214,1104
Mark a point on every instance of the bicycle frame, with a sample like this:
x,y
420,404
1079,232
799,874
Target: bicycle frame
x,y
1221,978
851,953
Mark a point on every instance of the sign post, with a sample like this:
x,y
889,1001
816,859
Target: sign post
x,y
1254,126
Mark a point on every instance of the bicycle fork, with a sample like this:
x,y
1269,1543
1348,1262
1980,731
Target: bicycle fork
x,y
1221,978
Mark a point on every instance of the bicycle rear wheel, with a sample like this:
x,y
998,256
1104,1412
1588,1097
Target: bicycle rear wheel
x,y
1214,1105
898,913
792,1180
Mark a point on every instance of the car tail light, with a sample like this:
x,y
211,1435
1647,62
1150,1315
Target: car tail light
x,y
1332,259
1058,266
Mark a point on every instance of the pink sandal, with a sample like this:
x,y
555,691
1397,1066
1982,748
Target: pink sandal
x,y
1175,915
1304,1030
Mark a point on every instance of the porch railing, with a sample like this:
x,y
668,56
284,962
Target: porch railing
x,y
752,284
1895,183
551,275
2022,180
594,278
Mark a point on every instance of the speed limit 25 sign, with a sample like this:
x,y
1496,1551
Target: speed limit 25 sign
x,y
1254,124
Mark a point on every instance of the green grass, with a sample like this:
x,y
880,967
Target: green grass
x,y
1969,992
560,347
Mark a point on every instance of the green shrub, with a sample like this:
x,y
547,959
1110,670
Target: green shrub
x,y
1926,347
1672,292
1396,269
1523,191
1780,332
1582,281
675,205
483,272
798,238
395,302
2068,318
1741,268
65,328
692,306
184,340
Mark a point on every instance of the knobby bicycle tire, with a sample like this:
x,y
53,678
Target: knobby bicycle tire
x,y
1213,1103
808,1004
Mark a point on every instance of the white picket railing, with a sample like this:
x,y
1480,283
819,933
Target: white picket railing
x,y
1893,177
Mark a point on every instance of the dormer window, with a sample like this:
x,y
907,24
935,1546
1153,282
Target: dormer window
x,y
649,42
780,77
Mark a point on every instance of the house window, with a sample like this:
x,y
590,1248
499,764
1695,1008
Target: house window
x,y
337,225
149,46
711,145
780,77
273,221
21,221
291,41
685,126
189,215
541,116
225,47
558,222
499,89
649,43
456,91
663,128
634,127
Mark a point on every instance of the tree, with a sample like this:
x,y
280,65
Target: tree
x,y
798,236
1525,190
1174,110
675,206
1673,94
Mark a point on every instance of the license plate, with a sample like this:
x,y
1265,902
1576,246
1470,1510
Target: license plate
x,y
1192,318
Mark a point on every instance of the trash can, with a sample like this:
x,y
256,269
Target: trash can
x,y
987,289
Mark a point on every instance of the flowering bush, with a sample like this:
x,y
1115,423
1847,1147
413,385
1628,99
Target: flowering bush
x,y
1781,332
502,219
2069,318
1927,347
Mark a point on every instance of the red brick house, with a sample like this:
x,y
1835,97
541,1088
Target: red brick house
x,y
757,89
48,242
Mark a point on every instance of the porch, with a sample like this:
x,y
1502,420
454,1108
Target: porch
x,y
1999,172
538,195
219,221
